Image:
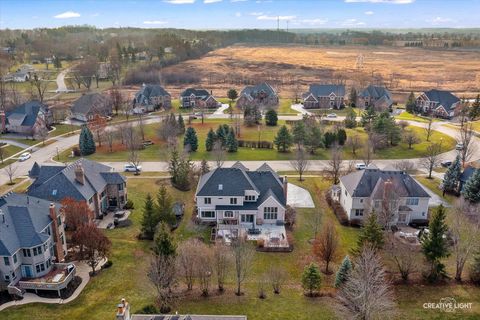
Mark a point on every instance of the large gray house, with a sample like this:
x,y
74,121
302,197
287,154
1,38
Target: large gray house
x,y
439,103
324,96
27,118
89,105
83,180
198,98
32,244
375,96
151,97
261,95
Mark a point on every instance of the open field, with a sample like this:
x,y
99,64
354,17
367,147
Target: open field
x,y
130,257
401,69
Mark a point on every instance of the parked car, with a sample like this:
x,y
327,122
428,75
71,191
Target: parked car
x,y
459,146
360,166
147,143
25,156
446,163
129,167
110,225
331,115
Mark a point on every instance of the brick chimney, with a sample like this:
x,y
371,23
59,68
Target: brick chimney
x,y
123,310
56,234
79,174
285,186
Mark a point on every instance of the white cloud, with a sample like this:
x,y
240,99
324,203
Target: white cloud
x,y
180,1
265,17
238,14
67,15
313,22
352,23
256,14
382,1
211,1
238,0
369,13
96,14
155,22
440,20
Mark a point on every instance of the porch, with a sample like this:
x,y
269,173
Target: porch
x,y
272,235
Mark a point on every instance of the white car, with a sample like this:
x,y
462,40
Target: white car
x,y
25,156
459,146
131,168
331,115
360,166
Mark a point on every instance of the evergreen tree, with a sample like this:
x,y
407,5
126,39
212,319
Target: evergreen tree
x,y
311,278
283,139
57,63
172,123
149,218
173,164
475,109
353,97
232,94
251,115
371,233
314,139
164,207
452,176
410,106
341,136
163,242
475,269
232,143
434,244
180,125
342,273
271,118
86,143
210,141
329,139
351,118
191,139
299,133
222,133
386,125
471,189
368,116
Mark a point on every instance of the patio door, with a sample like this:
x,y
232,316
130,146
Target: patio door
x,y
247,218
27,271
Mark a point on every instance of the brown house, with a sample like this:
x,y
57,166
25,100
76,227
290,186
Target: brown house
x,y
261,95
324,96
198,98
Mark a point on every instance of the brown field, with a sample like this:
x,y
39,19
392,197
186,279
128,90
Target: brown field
x,y
400,69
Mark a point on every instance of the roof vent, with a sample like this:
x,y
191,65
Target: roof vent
x,y
220,187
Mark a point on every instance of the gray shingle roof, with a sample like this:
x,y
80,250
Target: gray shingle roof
x,y
324,90
362,183
197,92
148,91
84,104
58,182
252,91
25,219
375,92
467,174
26,112
445,98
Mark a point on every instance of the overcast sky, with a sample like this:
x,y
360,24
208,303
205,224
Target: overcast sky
x,y
226,14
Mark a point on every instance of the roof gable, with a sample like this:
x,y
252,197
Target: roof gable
x,y
442,97
325,90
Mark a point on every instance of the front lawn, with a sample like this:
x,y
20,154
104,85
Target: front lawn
x,y
434,185
412,117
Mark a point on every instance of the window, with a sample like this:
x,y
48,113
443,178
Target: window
x,y
7,278
361,200
15,258
412,201
358,212
42,267
120,187
247,217
6,261
13,275
103,194
228,214
249,198
233,200
26,253
207,200
39,249
208,214
90,200
59,220
270,213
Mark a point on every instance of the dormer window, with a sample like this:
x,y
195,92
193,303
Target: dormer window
x,y
220,187
249,198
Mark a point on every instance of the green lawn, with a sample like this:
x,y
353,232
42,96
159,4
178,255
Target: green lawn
x,y
433,184
412,117
62,129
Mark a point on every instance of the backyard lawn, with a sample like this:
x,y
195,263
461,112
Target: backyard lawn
x,y
158,151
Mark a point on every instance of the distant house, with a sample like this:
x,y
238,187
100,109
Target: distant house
x,y
32,243
324,96
439,103
262,95
152,97
88,105
28,118
370,189
198,98
24,73
377,97
83,180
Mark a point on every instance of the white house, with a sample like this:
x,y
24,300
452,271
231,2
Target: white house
x,y
374,189
238,197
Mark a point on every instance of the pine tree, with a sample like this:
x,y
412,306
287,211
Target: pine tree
x,y
329,139
180,125
341,136
452,176
299,133
164,207
210,141
371,233
283,139
351,118
353,97
163,242
191,139
475,269
475,109
471,189
434,244
410,105
149,218
314,139
86,142
368,116
271,118
222,132
232,143
311,278
342,273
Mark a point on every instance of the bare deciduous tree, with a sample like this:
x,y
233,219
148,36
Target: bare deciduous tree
x,y
410,138
110,135
367,294
243,254
277,276
367,154
354,143
429,127
39,85
314,223
41,134
404,165
218,153
401,255
466,137
390,202
432,158
301,162
10,170
335,163
134,159
204,268
222,260
188,261
162,275
325,247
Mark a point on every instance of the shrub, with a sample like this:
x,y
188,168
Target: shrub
x,y
337,209
129,204
148,309
107,264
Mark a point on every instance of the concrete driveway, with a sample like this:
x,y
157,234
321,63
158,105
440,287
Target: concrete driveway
x,y
298,197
